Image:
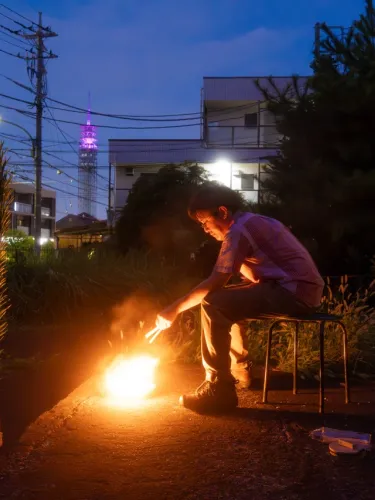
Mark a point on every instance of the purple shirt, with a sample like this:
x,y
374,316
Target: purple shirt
x,y
263,249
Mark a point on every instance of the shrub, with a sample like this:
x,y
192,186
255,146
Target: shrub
x,y
357,315
5,202
73,284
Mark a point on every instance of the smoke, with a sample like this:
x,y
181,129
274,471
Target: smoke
x,y
132,319
133,316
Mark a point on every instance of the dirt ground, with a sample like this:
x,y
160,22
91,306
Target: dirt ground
x,y
158,450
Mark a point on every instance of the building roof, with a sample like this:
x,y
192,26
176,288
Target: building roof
x,y
241,88
29,188
164,151
75,221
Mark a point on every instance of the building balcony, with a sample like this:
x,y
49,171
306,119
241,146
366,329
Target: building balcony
x,y
264,136
23,208
46,212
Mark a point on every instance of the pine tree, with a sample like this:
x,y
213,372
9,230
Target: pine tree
x,y
323,179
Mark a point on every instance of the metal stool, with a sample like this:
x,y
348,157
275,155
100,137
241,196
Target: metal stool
x,y
320,319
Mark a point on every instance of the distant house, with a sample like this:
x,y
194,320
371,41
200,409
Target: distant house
x,y
23,210
74,231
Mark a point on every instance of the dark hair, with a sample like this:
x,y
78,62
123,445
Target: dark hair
x,y
211,196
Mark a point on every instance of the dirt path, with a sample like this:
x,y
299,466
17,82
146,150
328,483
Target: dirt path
x,y
161,451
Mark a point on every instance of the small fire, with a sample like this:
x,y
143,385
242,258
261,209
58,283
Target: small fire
x,y
129,380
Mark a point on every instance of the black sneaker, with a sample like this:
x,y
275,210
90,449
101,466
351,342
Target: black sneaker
x,y
219,396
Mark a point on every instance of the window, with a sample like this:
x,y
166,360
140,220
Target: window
x,y
247,182
129,171
251,120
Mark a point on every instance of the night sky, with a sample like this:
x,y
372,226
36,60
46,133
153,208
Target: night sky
x,y
147,57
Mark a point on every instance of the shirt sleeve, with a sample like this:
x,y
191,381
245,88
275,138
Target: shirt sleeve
x,y
234,250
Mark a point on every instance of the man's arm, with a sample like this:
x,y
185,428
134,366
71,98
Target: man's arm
x,y
215,281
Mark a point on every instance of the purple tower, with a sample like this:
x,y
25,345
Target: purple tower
x,y
87,169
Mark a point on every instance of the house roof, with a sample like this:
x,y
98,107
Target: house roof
x,y
75,221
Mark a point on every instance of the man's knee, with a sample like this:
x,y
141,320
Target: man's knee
x,y
212,299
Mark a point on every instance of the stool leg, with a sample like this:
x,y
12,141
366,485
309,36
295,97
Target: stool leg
x,y
295,371
346,367
266,368
321,370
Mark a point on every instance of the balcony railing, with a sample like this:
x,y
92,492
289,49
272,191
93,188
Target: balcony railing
x,y
264,136
22,207
46,212
25,208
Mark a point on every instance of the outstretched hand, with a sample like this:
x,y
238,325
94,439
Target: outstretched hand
x,y
166,317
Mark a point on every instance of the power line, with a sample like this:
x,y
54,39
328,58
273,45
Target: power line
x,y
75,109
24,18
29,28
10,54
11,43
5,31
52,187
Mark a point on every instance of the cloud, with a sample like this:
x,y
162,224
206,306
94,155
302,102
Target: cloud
x,y
136,60
148,57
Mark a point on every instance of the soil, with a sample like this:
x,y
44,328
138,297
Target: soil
x,y
158,450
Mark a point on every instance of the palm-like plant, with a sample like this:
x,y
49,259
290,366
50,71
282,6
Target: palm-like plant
x,y
5,202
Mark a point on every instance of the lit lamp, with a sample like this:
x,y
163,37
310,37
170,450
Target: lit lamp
x,y
223,172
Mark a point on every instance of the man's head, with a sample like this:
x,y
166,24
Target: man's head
x,y
213,206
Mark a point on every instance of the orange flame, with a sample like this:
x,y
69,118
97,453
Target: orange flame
x,y
130,380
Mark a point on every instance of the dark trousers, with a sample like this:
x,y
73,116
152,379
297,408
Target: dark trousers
x,y
223,329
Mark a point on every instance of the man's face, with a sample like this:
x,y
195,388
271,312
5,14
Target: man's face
x,y
216,226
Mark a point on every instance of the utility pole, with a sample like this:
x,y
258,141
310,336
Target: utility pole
x,y
40,93
109,210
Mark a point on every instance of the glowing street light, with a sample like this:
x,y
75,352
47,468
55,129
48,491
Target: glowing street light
x,y
221,170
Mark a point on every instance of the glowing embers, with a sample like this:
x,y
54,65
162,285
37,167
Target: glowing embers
x,y
130,380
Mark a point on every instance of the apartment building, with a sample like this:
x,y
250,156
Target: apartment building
x,y
23,210
237,136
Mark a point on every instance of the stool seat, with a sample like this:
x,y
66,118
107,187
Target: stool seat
x,y
318,318
310,318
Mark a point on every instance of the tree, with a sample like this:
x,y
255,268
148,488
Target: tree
x,y
18,241
155,215
5,202
322,182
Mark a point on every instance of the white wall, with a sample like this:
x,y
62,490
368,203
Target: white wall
x,y
226,125
229,174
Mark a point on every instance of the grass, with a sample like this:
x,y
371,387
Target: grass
x,y
130,289
60,287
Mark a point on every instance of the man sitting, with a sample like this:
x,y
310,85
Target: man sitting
x,y
282,279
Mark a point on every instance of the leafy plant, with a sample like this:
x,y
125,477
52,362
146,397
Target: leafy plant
x,y
5,202
358,316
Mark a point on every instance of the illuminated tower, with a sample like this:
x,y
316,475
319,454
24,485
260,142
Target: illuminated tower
x,y
87,169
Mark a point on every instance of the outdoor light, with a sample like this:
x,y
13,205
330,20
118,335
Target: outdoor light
x,y
222,172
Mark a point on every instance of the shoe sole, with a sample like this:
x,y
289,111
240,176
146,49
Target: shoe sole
x,y
223,408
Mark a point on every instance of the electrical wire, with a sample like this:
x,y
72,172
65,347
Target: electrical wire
x,y
29,28
24,18
10,54
14,44
57,189
5,32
